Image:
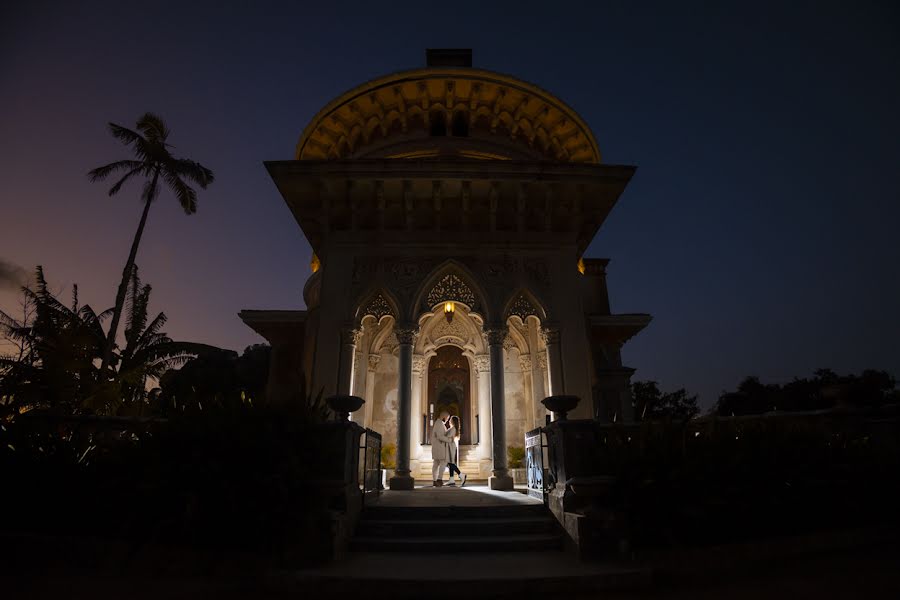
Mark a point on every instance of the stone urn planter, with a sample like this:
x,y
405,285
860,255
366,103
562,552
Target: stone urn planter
x,y
342,406
560,405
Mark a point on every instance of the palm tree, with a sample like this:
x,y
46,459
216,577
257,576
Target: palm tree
x,y
155,163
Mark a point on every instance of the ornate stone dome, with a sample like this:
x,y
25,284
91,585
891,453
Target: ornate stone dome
x,y
448,111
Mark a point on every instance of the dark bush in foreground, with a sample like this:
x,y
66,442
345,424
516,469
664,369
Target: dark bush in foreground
x,y
228,483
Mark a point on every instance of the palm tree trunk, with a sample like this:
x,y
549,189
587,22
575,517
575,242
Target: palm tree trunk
x,y
123,288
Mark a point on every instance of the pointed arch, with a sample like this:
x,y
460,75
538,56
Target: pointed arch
x,y
451,273
377,302
523,304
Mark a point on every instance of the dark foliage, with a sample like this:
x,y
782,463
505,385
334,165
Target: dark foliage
x,y
221,482
652,404
59,346
712,481
826,389
215,380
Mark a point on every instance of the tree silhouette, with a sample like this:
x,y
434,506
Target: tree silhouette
x,y
54,367
148,352
155,163
652,404
58,348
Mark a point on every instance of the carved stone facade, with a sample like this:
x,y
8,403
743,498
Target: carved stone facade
x,y
496,221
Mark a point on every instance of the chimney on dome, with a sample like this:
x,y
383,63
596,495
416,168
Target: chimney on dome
x,y
448,57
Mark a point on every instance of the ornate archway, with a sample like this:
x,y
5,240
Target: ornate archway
x,y
448,387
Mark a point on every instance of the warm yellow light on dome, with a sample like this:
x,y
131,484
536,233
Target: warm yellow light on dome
x,y
315,264
581,266
449,309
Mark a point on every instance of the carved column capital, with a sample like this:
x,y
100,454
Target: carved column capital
x,y
374,359
418,364
542,360
495,335
406,334
550,335
482,363
351,336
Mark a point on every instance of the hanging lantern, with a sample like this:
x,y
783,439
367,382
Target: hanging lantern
x,y
449,309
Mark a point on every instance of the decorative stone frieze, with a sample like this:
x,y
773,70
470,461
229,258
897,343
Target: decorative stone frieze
x,y
522,308
378,307
450,288
525,362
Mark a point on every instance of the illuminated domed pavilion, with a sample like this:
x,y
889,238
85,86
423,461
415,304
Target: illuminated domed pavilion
x,y
448,209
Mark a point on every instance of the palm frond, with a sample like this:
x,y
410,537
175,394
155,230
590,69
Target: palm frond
x,y
185,194
118,185
194,171
101,173
152,330
124,134
153,127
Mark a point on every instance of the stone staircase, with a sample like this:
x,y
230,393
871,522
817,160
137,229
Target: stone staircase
x,y
450,529
469,464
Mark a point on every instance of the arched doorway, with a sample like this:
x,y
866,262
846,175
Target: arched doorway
x,y
448,387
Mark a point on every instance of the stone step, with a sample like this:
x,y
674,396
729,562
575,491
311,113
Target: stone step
x,y
445,513
470,468
494,543
458,527
542,574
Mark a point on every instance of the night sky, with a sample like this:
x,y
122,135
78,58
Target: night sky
x,y
760,229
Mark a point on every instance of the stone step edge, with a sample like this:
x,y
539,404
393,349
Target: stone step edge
x,y
437,541
537,518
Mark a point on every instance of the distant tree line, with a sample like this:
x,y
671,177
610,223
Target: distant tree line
x,y
825,390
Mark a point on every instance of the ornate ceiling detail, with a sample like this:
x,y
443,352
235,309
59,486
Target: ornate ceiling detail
x,y
522,308
378,307
450,289
457,104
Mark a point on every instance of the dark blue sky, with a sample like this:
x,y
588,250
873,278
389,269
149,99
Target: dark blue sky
x,y
759,230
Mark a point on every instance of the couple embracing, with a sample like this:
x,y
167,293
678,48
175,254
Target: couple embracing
x,y
445,450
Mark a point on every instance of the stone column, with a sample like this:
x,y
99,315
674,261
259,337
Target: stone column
x,y
483,375
369,406
554,360
500,479
415,438
349,337
406,336
532,399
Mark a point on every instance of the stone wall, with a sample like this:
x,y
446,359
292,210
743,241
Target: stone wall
x,y
384,411
514,385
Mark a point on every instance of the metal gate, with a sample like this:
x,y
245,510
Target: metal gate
x,y
535,452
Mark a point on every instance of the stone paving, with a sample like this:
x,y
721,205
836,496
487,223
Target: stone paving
x,y
470,495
